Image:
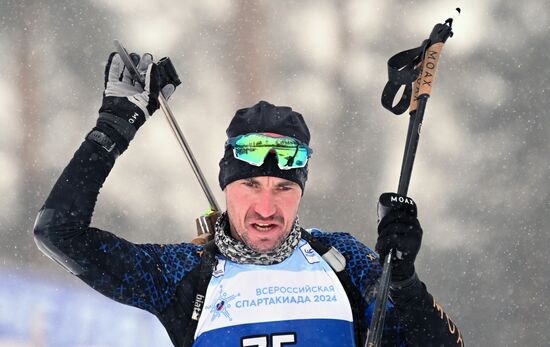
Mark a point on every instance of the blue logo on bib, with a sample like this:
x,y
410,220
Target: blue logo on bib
x,y
222,305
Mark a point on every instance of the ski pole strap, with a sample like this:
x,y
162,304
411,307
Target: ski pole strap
x,y
403,70
415,65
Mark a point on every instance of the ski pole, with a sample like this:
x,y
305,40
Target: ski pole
x,y
206,222
416,65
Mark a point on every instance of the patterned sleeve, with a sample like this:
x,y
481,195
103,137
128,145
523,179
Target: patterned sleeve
x,y
144,276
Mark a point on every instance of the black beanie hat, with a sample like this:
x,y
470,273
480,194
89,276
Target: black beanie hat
x,y
264,118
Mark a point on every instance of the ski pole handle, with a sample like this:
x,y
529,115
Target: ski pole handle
x,y
424,83
427,76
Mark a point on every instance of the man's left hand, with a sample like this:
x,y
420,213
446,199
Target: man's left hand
x,y
398,229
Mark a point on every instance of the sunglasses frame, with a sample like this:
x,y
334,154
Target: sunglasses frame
x,y
232,142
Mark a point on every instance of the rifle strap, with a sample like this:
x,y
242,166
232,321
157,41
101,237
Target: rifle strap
x,y
208,263
338,263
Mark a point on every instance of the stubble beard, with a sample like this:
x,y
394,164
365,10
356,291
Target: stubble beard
x,y
246,240
244,236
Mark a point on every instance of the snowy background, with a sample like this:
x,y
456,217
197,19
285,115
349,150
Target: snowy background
x,y
481,178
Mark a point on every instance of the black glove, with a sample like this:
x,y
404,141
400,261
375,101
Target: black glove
x,y
398,229
126,104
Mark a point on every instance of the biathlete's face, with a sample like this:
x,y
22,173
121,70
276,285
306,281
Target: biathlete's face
x,y
262,210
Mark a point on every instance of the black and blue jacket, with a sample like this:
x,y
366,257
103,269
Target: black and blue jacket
x,y
163,278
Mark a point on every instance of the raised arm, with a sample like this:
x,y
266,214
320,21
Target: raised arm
x,y
138,275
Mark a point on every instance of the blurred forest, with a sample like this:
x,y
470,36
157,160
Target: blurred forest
x,y
481,179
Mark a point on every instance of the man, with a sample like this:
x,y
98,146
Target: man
x,y
264,281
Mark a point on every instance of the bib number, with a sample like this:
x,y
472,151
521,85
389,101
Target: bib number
x,y
273,340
